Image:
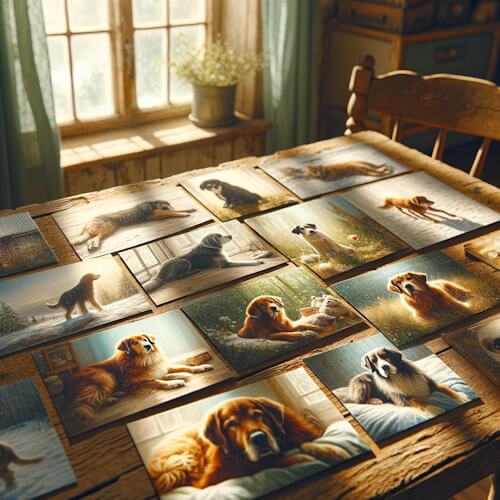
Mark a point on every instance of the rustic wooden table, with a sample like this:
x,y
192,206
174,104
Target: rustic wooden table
x,y
436,460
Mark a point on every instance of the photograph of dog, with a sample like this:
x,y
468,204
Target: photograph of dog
x,y
213,255
420,210
127,220
65,300
32,459
253,323
389,391
480,344
329,170
22,245
247,442
328,235
417,296
486,249
127,369
236,192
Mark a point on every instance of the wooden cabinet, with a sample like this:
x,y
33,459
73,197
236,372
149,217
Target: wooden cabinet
x,y
470,50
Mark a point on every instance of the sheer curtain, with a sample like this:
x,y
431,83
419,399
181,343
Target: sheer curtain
x,y
29,144
290,39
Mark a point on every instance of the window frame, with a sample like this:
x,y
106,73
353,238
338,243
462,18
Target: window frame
x,y
127,113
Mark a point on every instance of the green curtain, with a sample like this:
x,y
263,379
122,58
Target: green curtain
x,y
30,169
290,38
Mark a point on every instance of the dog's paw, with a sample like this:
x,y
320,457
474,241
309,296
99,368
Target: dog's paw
x,y
184,377
202,368
175,384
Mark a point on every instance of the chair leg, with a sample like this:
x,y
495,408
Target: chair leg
x,y
478,165
438,150
494,493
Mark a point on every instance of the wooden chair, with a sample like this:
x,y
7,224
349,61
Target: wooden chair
x,y
446,102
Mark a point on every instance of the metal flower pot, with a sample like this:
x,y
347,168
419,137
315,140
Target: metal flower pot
x,y
213,106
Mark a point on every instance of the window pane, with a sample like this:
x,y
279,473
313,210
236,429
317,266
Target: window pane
x,y
151,67
180,91
88,15
92,75
182,11
149,13
54,16
61,77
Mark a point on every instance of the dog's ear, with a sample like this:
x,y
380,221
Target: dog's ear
x,y
212,430
124,346
254,309
393,354
147,207
296,230
366,363
310,225
273,410
420,277
151,338
279,301
392,287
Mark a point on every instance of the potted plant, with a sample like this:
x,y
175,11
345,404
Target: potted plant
x,y
214,71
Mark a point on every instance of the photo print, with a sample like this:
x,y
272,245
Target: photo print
x,y
32,459
101,378
389,391
236,192
480,344
22,245
420,210
328,235
248,442
486,249
255,322
65,300
213,255
330,170
125,221
412,298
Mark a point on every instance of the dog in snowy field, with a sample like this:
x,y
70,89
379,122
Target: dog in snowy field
x,y
8,456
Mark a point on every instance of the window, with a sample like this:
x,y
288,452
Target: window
x,y
109,58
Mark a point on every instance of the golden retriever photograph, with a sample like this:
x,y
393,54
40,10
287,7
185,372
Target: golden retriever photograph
x,y
65,300
418,296
109,375
33,462
247,442
235,192
420,210
329,170
127,220
253,323
387,390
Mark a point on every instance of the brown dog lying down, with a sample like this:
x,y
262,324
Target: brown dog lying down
x,y
138,365
429,300
266,319
79,295
416,207
102,226
8,456
347,169
239,437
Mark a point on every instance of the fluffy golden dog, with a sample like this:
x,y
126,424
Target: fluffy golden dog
x,y
138,365
237,438
79,295
347,169
266,319
417,207
8,456
429,300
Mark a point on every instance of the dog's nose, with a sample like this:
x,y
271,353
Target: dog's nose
x,y
259,439
148,347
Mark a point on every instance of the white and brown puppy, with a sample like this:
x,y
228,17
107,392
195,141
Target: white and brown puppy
x,y
429,300
324,247
392,378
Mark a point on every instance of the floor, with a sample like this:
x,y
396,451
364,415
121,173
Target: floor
x,y
478,491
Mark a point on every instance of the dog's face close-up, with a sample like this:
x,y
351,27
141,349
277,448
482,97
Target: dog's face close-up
x,y
266,306
138,345
245,426
383,360
408,283
308,229
216,240
210,185
90,277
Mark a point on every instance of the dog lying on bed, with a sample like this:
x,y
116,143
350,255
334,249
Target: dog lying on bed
x,y
239,437
429,300
392,378
103,226
138,365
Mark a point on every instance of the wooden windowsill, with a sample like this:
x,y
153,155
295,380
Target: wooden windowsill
x,y
153,138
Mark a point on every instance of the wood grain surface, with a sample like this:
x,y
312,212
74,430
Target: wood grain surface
x,y
435,460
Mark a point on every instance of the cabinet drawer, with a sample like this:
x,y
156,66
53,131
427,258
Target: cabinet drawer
x,y
467,55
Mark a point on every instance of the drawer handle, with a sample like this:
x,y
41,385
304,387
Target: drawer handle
x,y
449,54
382,21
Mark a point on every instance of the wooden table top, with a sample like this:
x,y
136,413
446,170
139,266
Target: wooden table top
x,y
438,459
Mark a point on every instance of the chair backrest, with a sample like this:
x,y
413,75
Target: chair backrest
x,y
446,102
